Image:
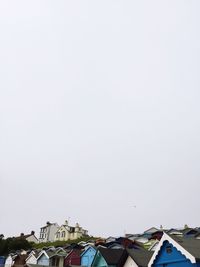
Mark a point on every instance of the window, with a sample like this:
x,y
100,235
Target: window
x,y
63,234
58,235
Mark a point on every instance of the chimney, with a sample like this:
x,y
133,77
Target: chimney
x,y
32,232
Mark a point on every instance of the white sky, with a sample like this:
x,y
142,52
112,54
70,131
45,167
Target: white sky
x,y
99,111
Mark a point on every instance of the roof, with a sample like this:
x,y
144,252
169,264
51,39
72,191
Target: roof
x,y
189,231
189,247
77,251
47,253
23,236
48,224
140,256
151,230
88,248
33,254
192,245
113,256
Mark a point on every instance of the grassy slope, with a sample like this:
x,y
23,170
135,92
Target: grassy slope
x,y
62,243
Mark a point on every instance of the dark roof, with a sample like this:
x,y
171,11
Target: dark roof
x,y
75,246
140,256
113,256
192,245
189,231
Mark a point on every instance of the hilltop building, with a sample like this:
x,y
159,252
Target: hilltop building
x,y
66,232
29,237
47,232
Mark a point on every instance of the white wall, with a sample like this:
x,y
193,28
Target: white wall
x,y
32,238
8,262
32,260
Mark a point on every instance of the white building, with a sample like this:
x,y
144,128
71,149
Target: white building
x,y
67,232
29,237
47,232
32,258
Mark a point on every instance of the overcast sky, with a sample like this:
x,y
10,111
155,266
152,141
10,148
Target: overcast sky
x,y
99,112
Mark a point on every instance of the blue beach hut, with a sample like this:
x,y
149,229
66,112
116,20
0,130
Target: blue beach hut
x,y
174,251
87,256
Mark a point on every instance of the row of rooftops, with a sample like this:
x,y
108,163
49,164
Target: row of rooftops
x,y
117,257
115,250
147,237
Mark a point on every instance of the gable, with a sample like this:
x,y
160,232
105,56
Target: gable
x,y
62,228
169,254
88,256
99,260
89,251
73,254
43,257
31,259
175,244
32,238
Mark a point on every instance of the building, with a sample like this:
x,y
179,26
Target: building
x,y
107,257
138,258
87,256
47,232
174,251
32,257
29,237
67,232
73,258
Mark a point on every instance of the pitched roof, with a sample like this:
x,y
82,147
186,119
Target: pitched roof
x,y
189,247
88,248
190,231
151,230
192,245
140,256
76,251
113,256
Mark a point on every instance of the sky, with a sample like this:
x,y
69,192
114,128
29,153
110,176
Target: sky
x,y
99,114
